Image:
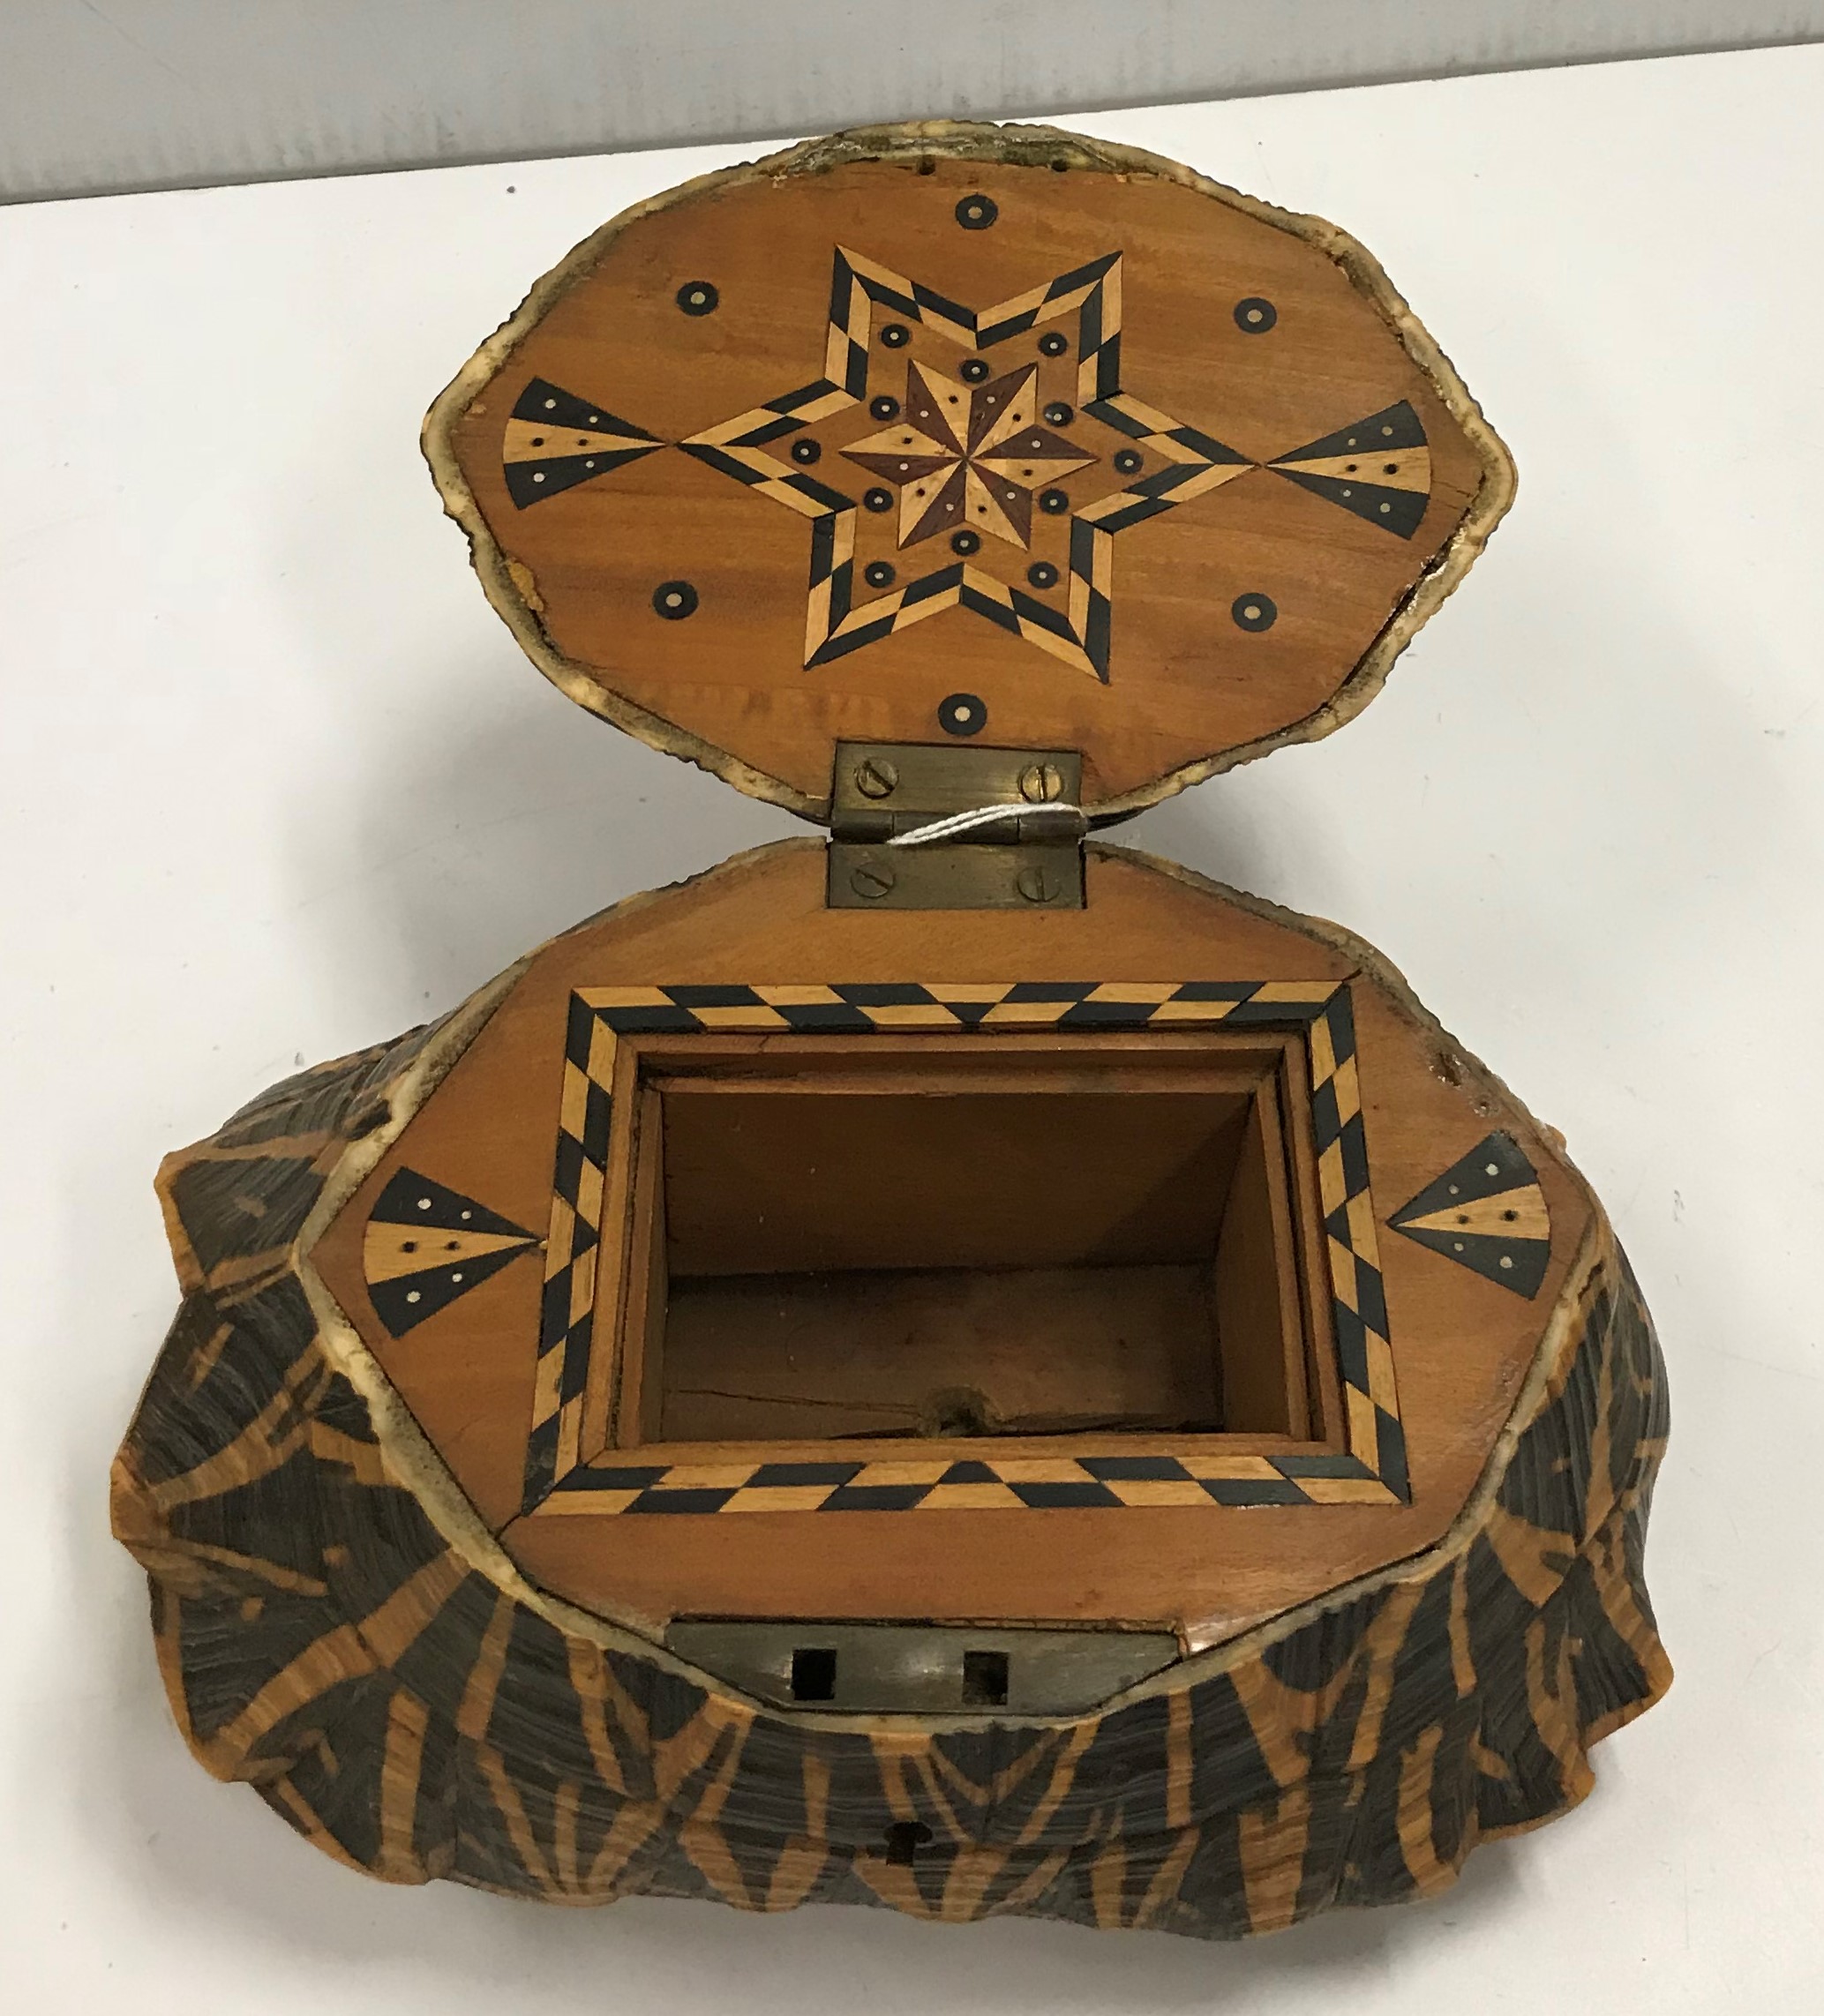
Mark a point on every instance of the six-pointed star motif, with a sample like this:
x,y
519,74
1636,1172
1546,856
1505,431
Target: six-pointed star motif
x,y
963,456
1164,463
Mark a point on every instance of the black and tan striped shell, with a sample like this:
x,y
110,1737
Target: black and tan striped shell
x,y
416,1717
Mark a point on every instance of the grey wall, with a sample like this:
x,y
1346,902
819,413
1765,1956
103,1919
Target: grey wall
x,y
98,95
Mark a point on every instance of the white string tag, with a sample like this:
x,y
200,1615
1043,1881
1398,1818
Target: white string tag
x,y
959,822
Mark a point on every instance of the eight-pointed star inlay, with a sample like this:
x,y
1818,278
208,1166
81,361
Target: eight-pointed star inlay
x,y
968,457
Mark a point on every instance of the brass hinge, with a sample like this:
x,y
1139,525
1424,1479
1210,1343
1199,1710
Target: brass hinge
x,y
886,794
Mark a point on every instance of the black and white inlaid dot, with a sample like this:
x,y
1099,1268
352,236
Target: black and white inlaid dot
x,y
878,573
1041,573
895,336
1129,460
698,297
1254,316
976,212
1059,415
806,451
878,499
1053,502
885,407
1054,344
962,714
966,543
974,370
1254,611
674,600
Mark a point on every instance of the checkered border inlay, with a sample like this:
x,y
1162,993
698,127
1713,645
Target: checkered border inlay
x,y
1373,1469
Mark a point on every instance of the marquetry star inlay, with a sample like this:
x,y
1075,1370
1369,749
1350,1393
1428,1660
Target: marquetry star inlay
x,y
968,457
973,457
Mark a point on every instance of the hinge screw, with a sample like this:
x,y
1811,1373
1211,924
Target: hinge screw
x,y
1038,885
1041,783
876,778
872,880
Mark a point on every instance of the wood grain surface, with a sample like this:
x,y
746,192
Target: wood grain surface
x,y
1460,1342
1243,474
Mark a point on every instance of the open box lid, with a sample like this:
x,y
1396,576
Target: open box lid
x,y
946,433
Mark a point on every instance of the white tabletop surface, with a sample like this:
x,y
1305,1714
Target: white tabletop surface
x,y
276,783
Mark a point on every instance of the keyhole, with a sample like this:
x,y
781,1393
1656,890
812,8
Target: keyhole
x,y
904,1839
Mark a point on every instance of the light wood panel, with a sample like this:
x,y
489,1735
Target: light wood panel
x,y
902,1177
950,1352
1249,604
1461,1343
1254,1285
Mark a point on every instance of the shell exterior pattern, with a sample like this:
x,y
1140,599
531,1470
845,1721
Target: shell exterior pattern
x,y
416,1717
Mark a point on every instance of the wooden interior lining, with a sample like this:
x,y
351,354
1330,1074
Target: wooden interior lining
x,y
641,1342
1323,1382
951,1351
612,1283
1253,1284
1005,1175
879,1241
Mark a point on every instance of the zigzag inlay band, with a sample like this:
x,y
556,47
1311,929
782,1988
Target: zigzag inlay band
x,y
1371,1469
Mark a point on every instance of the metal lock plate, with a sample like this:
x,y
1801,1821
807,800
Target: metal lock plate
x,y
882,792
923,1669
